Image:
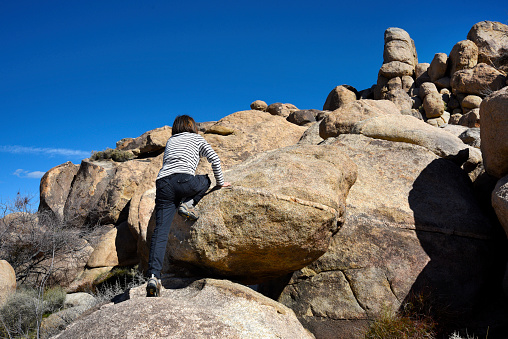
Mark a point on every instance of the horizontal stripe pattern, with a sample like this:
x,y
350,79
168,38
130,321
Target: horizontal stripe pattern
x,y
182,154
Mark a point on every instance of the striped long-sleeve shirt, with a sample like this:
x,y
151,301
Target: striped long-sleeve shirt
x,y
182,156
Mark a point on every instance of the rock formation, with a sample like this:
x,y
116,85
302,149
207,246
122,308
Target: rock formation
x,y
342,213
204,309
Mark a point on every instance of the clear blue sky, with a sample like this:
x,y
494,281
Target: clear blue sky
x,y
77,76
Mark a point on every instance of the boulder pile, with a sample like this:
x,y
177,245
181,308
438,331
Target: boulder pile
x,y
340,214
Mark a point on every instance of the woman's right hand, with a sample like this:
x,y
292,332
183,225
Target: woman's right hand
x,y
226,185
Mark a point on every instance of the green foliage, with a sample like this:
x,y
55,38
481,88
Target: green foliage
x,y
54,299
113,154
18,316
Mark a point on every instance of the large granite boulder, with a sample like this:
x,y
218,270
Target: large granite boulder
x,y
278,217
492,40
7,281
54,188
464,55
101,191
88,185
409,129
494,133
153,141
480,80
204,309
112,207
399,47
254,132
343,119
117,247
339,96
412,225
438,66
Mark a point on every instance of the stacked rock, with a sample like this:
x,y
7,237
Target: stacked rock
x,y
395,78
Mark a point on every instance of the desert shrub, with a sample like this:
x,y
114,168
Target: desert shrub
x,y
413,320
22,313
53,299
113,154
18,316
38,245
116,282
400,327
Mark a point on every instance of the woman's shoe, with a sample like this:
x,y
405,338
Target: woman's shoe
x,y
153,287
188,212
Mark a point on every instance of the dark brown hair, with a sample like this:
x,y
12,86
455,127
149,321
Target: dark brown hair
x,y
184,123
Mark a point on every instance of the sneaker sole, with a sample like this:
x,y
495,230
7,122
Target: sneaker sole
x,y
152,291
187,216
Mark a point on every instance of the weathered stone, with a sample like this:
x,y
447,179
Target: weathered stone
x,y
54,188
142,203
481,80
439,121
408,129
56,322
117,247
443,82
399,47
259,105
112,206
471,101
407,83
455,118
281,109
203,126
219,129
412,112
343,119
205,309
149,142
400,98
79,299
90,182
421,70
492,40
274,220
7,281
338,97
86,278
381,87
500,202
302,117
471,137
433,105
426,88
396,69
392,244
394,84
255,132
311,135
437,68
464,55
494,133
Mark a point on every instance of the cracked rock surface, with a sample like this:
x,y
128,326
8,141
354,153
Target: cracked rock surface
x,y
411,221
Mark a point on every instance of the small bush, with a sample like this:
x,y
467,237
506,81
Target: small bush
x,y
400,327
18,316
113,154
54,299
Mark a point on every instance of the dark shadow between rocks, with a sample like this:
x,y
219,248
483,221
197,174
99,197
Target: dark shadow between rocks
x,y
463,278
